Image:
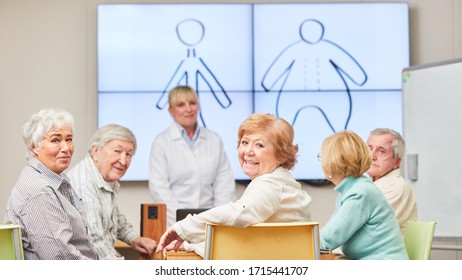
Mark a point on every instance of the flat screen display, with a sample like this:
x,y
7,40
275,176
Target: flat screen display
x,y
322,67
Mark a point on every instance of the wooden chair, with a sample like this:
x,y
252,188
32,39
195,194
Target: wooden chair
x,y
418,239
153,224
263,241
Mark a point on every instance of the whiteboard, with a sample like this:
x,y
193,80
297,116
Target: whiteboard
x,y
432,115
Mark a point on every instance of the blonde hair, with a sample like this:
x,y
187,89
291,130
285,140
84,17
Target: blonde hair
x,y
180,92
345,154
280,133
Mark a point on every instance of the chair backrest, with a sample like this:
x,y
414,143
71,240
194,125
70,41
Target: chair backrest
x,y
418,239
263,241
184,212
11,242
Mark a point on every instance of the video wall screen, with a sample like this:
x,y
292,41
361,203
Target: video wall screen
x,y
322,67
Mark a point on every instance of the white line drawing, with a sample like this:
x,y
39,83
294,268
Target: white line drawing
x,y
314,66
193,68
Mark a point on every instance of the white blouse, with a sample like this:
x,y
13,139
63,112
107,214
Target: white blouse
x,y
274,197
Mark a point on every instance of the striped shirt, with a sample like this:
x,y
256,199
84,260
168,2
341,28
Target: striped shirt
x,y
46,207
105,222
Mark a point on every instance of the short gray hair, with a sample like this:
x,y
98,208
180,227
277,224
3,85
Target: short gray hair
x,y
398,145
107,133
36,127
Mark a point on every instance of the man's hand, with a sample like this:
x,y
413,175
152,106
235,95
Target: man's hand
x,y
144,245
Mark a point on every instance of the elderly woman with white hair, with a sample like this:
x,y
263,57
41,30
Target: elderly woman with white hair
x,y
43,202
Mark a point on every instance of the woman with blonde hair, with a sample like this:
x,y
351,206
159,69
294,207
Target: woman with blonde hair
x,y
363,224
188,165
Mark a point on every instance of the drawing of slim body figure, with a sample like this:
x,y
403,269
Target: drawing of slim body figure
x,y
192,68
308,69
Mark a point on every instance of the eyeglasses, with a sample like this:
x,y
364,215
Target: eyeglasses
x,y
319,156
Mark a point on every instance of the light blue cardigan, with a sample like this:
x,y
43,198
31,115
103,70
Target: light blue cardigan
x,y
363,223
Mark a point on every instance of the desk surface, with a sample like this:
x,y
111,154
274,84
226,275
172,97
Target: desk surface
x,y
119,244
132,254
182,255
327,257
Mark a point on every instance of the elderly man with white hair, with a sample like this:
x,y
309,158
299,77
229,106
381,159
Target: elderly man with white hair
x,y
387,148
96,180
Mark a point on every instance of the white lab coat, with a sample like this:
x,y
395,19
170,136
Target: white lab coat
x,y
181,177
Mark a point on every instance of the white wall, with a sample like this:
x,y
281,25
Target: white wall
x,y
48,58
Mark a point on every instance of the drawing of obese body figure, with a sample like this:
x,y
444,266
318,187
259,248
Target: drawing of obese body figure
x,y
192,69
312,75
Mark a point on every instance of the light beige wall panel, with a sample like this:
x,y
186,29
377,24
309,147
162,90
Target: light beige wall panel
x,y
43,62
458,28
432,30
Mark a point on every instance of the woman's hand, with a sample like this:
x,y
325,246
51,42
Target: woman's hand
x,y
168,237
171,247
